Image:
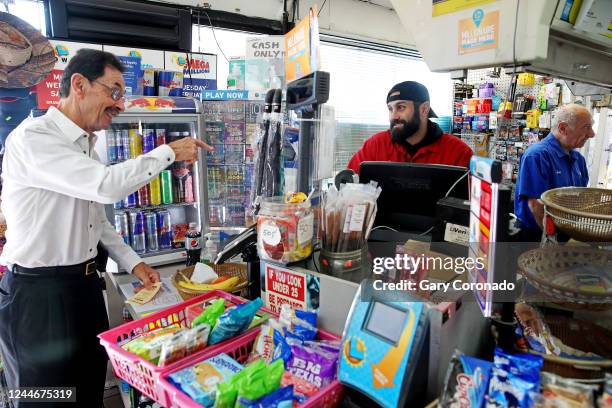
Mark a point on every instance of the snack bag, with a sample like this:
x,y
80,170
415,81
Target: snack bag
x,y
173,349
227,392
201,380
148,345
282,350
259,383
509,390
281,398
525,366
264,345
301,387
197,338
234,321
467,381
514,379
210,315
313,365
563,392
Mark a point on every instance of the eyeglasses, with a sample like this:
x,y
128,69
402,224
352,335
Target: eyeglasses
x,y
115,92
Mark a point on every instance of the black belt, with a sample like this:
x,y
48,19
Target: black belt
x,y
86,268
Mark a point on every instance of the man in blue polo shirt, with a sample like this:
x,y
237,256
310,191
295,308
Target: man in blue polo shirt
x,y
552,163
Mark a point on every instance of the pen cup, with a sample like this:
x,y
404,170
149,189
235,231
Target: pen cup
x,y
341,264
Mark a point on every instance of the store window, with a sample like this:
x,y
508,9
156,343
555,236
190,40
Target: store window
x,y
32,11
360,80
229,42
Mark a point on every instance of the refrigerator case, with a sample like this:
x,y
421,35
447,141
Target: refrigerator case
x,y
154,219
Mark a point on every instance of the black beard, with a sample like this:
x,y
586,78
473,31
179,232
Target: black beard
x,y
401,134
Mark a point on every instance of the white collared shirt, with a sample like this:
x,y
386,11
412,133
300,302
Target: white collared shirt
x,y
53,190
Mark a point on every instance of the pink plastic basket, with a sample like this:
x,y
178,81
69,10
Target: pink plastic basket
x,y
239,349
141,374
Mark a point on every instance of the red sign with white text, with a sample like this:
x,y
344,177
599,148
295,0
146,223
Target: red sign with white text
x,y
48,90
285,286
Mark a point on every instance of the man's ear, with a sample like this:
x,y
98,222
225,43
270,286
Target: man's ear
x,y
78,84
424,110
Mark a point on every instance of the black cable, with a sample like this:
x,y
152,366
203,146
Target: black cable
x,y
322,5
214,35
314,261
512,89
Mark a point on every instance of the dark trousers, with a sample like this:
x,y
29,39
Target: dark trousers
x,y
48,335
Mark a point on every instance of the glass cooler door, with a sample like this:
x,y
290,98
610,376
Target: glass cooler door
x,y
155,219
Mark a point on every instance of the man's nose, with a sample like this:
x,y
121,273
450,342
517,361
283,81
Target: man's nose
x,y
120,104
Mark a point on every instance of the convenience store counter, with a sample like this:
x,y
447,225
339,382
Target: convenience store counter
x,y
456,323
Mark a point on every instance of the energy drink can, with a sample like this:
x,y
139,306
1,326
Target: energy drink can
x,y
170,83
149,82
122,226
131,201
148,140
144,196
125,142
155,190
160,137
118,205
111,146
119,146
166,186
135,143
179,185
151,231
137,232
164,229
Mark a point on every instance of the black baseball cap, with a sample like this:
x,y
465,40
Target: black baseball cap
x,y
410,91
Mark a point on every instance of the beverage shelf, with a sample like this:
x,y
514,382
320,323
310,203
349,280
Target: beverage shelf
x,y
156,207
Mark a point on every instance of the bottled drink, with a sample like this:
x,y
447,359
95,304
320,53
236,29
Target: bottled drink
x,y
111,146
193,244
164,229
155,190
137,229
151,231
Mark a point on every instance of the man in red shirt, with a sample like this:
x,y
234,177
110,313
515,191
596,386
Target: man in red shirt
x,y
412,137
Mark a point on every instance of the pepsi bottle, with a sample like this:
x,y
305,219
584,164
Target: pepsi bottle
x,y
193,244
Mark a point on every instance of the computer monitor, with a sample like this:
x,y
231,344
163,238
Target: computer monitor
x,y
410,192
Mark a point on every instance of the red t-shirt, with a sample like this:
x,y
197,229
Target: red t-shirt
x,y
448,149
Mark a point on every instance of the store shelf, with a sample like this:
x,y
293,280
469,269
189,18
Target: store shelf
x,y
157,207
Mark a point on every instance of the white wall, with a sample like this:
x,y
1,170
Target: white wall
x,y
352,18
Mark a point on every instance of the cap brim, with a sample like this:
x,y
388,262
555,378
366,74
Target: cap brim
x,y
432,114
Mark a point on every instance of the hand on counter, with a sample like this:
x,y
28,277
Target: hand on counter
x,y
147,275
186,149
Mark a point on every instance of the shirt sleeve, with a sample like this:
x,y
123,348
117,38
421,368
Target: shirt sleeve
x,y
56,165
365,153
533,176
117,249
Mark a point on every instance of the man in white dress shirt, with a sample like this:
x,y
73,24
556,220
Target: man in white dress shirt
x,y
54,188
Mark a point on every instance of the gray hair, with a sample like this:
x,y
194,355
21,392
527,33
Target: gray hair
x,y
566,114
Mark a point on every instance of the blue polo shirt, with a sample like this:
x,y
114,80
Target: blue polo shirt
x,y
545,166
